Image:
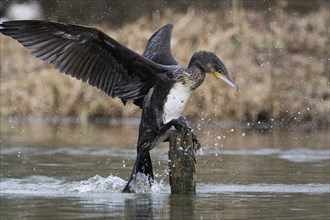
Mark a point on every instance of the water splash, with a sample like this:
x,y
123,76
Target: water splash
x,y
49,186
141,185
97,184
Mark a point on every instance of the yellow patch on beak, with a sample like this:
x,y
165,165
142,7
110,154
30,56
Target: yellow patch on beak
x,y
217,74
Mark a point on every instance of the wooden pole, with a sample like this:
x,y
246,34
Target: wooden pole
x,y
182,164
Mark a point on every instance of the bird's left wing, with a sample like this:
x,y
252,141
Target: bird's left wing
x,y
89,55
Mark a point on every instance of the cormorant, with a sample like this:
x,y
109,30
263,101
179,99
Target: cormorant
x,y
154,81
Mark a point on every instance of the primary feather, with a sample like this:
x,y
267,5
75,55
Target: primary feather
x,y
89,55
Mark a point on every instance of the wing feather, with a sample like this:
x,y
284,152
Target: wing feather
x,y
89,55
158,48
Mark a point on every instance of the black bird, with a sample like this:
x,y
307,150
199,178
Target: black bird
x,y
154,81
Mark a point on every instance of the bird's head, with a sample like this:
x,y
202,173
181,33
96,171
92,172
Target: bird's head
x,y
209,63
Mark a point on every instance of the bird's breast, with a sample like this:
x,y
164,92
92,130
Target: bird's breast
x,y
176,101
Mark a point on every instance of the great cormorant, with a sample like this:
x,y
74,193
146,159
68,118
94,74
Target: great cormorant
x,y
154,81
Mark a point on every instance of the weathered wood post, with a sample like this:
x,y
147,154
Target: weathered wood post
x,y
182,163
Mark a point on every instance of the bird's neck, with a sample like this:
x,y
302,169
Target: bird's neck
x,y
197,74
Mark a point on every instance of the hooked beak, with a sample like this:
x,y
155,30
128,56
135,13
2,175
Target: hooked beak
x,y
226,79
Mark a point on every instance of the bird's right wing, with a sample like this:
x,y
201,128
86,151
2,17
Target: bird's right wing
x,y
159,47
89,55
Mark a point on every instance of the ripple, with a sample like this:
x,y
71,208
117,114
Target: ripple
x,y
56,187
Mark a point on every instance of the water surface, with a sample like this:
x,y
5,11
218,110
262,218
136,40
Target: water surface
x,y
52,169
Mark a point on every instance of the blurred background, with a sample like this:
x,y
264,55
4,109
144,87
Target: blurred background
x,y
265,149
277,52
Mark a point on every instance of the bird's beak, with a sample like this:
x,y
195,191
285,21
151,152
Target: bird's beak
x,y
226,79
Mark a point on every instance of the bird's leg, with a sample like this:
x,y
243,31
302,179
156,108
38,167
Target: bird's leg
x,y
142,164
127,188
145,167
196,142
181,124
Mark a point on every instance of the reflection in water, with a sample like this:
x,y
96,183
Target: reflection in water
x,y
67,171
182,206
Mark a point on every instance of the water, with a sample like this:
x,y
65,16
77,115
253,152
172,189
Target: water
x,y
56,170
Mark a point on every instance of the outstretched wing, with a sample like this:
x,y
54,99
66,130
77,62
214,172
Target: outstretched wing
x,y
89,55
159,47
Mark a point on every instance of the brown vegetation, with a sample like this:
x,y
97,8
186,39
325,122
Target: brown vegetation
x,y
279,61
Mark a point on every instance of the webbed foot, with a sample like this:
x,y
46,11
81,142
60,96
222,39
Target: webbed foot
x,y
185,129
181,124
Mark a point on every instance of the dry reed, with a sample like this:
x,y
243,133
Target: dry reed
x,y
280,64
